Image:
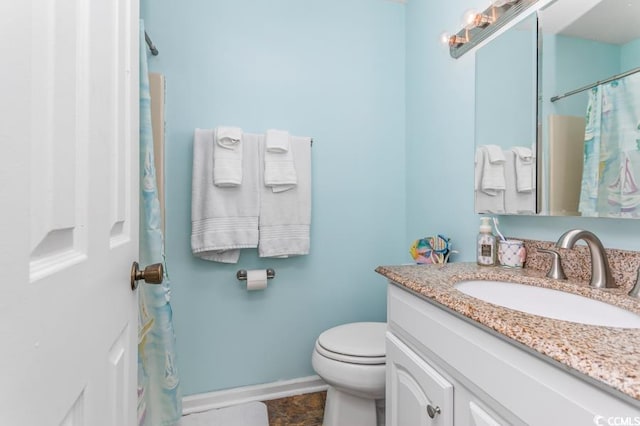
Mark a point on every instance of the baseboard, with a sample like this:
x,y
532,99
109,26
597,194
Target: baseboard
x,y
265,392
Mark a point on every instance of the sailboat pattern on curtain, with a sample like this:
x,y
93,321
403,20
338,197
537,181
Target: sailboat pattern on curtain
x,y
159,399
611,170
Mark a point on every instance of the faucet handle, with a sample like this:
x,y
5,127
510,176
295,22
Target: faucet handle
x,y
556,272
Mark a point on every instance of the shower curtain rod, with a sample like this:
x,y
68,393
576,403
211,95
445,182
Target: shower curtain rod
x,y
597,83
152,47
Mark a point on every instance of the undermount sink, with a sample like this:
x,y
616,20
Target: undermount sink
x,y
549,303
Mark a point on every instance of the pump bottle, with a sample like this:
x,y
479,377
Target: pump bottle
x,y
486,244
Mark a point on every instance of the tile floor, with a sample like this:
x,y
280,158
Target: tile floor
x,y
300,410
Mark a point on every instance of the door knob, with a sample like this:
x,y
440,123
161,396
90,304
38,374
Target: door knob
x,y
152,274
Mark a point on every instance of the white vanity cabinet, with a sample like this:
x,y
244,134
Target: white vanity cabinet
x,y
469,375
417,394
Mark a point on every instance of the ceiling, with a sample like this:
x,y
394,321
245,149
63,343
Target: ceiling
x,y
607,21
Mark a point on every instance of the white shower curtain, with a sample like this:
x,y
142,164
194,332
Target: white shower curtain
x,y
159,399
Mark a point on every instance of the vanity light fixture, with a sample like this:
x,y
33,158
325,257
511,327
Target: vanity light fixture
x,y
455,40
477,26
500,3
481,20
468,18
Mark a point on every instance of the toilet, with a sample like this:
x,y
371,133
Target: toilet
x,y
350,358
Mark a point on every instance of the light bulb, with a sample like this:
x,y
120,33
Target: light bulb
x,y
468,18
445,37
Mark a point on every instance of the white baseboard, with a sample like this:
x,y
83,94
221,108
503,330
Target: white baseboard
x,y
265,392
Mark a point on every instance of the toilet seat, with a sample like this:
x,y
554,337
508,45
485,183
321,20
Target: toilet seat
x,y
360,343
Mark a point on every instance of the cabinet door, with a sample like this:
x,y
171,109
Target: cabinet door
x,y
480,417
416,394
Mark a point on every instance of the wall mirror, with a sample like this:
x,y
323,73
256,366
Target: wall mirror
x,y
505,125
587,154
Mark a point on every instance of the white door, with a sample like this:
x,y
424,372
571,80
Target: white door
x,y
69,212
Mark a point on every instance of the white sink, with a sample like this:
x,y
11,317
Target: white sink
x,y
549,303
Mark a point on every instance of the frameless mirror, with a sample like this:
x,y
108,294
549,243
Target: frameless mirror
x,y
585,117
505,129
590,108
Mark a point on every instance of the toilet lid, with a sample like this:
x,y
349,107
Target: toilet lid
x,y
360,342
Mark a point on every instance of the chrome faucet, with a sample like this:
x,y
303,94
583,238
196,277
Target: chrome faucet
x,y
600,271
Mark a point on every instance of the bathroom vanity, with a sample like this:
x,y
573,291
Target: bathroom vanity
x,y
454,359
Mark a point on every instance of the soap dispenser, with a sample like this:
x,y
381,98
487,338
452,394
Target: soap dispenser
x,y
486,244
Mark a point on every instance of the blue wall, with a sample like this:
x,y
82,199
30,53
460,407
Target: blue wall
x,y
440,128
572,61
575,67
329,69
630,55
507,68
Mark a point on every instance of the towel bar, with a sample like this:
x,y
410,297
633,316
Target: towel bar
x,y
242,274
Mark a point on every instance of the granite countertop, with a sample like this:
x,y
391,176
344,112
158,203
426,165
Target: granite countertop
x,y
605,355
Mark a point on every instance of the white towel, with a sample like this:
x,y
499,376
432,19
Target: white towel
x,y
277,141
223,219
493,169
516,202
485,202
525,168
279,168
227,156
285,217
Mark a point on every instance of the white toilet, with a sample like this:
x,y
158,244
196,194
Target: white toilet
x,y
351,359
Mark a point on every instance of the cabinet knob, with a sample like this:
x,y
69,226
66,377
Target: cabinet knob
x,y
433,411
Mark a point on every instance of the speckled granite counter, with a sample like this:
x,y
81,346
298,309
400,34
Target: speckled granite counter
x,y
609,356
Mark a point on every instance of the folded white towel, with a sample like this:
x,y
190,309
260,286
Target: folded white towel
x,y
516,202
525,168
493,169
485,202
285,217
277,141
223,219
279,168
227,156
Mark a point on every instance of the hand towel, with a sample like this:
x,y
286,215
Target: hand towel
x,y
493,169
279,168
516,202
285,217
227,156
524,168
223,219
277,141
485,202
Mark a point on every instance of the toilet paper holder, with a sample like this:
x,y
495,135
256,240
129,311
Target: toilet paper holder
x,y
242,274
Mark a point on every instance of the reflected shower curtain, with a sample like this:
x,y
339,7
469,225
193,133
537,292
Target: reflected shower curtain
x,y
159,400
611,173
